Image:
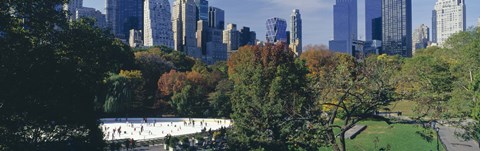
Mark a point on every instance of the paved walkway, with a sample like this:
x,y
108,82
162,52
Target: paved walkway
x,y
453,143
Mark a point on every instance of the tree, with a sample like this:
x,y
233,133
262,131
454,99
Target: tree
x,y
426,80
49,78
119,95
152,65
346,90
462,52
190,102
220,99
124,93
269,88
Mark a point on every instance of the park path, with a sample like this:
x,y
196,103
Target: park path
x,y
453,143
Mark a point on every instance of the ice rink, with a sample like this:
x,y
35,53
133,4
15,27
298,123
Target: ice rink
x,y
157,127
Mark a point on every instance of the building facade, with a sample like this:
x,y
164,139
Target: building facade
x,y
72,7
216,18
247,37
92,13
231,37
202,9
135,38
373,19
276,30
184,24
449,17
421,38
397,27
216,49
345,30
296,32
157,23
124,15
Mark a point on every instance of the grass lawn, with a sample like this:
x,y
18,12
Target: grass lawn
x,y
400,137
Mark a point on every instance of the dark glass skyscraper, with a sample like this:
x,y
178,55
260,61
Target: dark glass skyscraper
x,y
276,30
247,37
123,15
344,26
216,18
202,9
397,27
373,14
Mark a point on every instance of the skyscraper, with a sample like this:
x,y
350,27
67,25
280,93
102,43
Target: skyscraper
x,y
276,30
202,36
184,23
296,32
158,23
231,37
397,27
434,26
202,9
135,38
210,36
124,15
421,37
216,18
449,18
86,12
344,26
72,7
373,19
247,37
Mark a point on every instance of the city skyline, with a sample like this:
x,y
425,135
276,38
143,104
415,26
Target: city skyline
x,y
317,15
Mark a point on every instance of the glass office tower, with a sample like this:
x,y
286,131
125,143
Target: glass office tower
x,y
202,9
397,27
276,30
373,14
344,26
216,18
123,15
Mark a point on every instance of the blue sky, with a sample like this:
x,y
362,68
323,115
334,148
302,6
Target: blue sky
x,y
317,15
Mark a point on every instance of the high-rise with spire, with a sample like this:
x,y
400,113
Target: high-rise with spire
x,y
184,23
449,17
344,26
158,23
296,32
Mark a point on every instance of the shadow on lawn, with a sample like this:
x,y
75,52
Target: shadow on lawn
x,y
426,135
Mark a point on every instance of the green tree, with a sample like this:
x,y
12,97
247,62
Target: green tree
x,y
348,90
190,102
51,71
220,99
426,80
269,94
119,95
124,93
